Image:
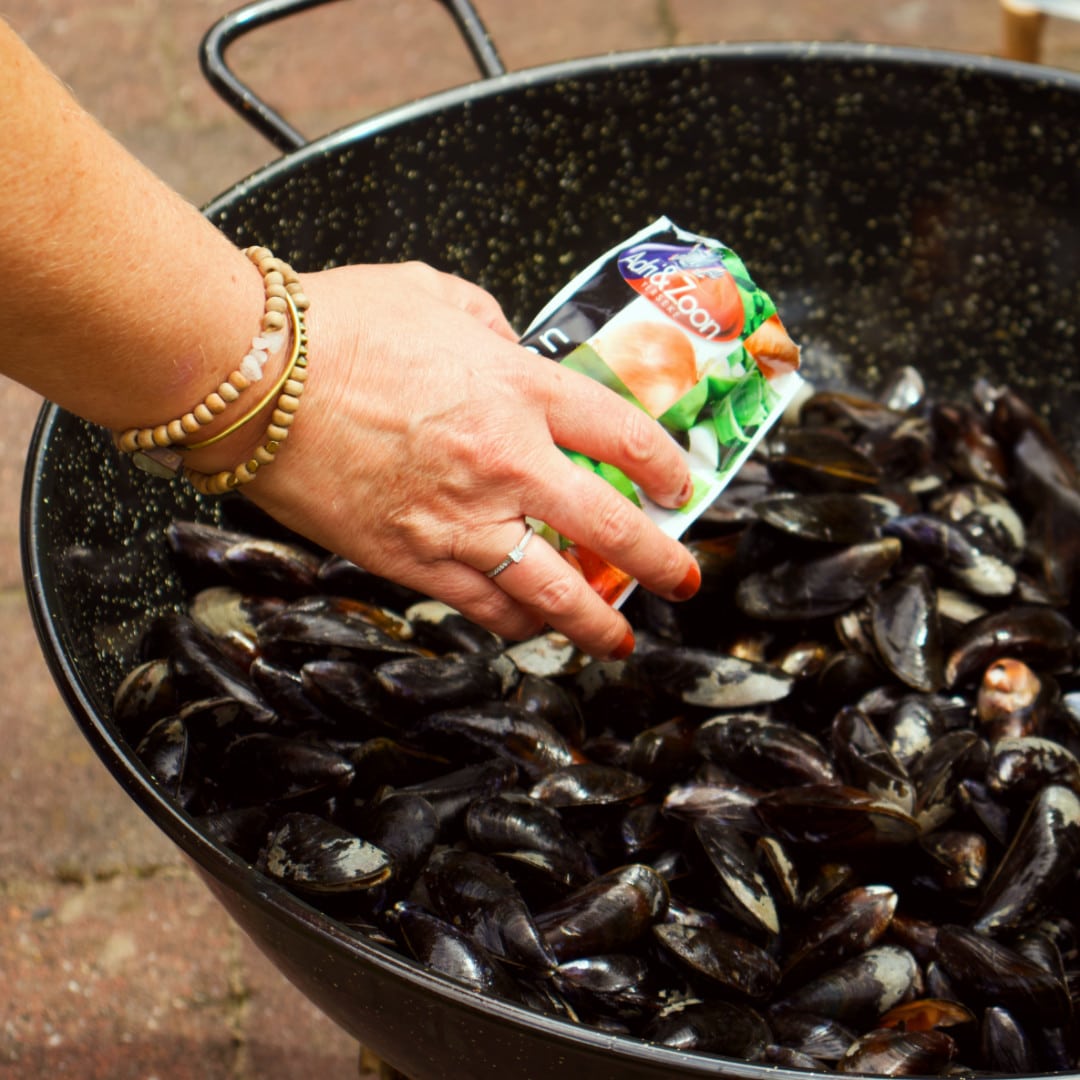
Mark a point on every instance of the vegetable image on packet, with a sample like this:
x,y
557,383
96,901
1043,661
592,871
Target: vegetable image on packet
x,y
673,322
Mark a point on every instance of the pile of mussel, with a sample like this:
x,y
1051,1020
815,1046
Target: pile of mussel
x,y
826,816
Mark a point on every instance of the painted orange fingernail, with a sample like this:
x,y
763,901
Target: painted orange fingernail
x,y
687,491
625,647
689,584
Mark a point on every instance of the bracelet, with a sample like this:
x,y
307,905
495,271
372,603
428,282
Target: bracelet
x,y
277,431
249,415
281,284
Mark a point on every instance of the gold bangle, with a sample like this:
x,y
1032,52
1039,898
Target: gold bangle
x,y
292,388
255,409
281,283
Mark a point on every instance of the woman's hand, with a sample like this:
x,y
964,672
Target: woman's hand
x,y
426,436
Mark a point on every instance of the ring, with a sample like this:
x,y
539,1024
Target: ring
x,y
514,555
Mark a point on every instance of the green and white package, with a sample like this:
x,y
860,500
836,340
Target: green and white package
x,y
673,322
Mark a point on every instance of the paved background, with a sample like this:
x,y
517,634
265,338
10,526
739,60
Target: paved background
x,y
115,962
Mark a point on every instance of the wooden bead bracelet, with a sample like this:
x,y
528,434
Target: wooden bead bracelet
x,y
285,304
277,431
281,284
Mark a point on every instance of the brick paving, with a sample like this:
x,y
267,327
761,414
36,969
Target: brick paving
x,y
115,962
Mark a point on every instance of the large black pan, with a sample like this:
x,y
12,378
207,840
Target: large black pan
x,y
902,206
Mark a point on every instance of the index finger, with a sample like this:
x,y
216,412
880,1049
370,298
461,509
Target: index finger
x,y
585,416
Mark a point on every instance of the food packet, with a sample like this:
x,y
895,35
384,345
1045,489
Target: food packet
x,y
672,322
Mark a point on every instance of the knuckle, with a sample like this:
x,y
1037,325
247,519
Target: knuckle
x,y
490,610
556,596
639,438
675,562
419,269
615,526
417,534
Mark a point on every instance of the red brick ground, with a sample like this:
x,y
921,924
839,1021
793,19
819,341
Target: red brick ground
x,y
114,960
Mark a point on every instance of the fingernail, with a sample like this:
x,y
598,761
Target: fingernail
x,y
625,647
688,489
689,584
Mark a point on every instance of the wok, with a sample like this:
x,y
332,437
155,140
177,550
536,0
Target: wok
x,y
901,206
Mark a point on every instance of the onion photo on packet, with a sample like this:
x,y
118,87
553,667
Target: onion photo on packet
x,y
671,321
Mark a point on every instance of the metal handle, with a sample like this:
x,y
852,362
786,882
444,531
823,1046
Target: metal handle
x,y
258,113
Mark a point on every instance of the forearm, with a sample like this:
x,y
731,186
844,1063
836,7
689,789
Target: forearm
x,y
123,304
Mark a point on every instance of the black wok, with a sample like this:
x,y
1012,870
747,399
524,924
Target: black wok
x,y
901,206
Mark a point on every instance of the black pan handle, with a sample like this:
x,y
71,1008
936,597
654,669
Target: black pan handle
x,y
268,121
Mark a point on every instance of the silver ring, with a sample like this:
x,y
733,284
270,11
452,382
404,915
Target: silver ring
x,y
514,555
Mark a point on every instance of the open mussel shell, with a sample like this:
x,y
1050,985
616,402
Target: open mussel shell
x,y
925,1014
1013,701
865,760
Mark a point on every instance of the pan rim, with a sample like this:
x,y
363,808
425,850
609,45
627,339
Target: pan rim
x,y
808,52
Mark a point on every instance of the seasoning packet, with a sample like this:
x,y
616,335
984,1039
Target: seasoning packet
x,y
673,322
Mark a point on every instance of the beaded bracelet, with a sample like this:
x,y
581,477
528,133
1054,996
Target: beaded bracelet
x,y
281,284
277,431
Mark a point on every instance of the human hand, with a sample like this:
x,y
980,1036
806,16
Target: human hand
x,y
427,435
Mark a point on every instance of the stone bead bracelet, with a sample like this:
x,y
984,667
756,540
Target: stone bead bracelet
x,y
281,284
277,431
151,448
